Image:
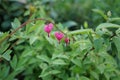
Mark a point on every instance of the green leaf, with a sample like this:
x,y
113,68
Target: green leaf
x,y
72,78
44,58
107,75
3,46
33,39
95,75
13,63
107,25
4,69
58,62
16,23
101,68
98,43
101,13
27,13
70,24
52,72
83,31
77,62
84,78
6,55
2,36
59,56
116,41
86,24
114,19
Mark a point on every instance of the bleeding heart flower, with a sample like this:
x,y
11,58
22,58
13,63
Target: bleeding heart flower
x,y
59,35
48,28
67,40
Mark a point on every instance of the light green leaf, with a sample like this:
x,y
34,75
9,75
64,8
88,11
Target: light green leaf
x,y
107,25
52,72
83,31
33,39
16,23
58,62
70,24
6,55
44,58
114,19
3,46
77,62
59,56
86,24
101,68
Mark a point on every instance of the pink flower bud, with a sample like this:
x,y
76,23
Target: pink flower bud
x,y
48,28
59,35
67,40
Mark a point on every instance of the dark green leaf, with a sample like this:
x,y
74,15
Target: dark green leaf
x,y
13,63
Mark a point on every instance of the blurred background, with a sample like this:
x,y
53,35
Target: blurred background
x,y
73,14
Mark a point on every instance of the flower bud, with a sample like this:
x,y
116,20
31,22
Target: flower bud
x,y
67,40
48,28
59,36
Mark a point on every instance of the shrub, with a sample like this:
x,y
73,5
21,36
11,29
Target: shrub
x,y
27,52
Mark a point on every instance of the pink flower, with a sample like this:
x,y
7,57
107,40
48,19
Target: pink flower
x,y
67,40
59,35
48,28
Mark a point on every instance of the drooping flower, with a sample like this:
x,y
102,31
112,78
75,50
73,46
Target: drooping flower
x,y
48,28
59,36
67,40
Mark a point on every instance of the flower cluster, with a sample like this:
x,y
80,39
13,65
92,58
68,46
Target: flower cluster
x,y
59,35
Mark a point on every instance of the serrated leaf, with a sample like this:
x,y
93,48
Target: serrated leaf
x,y
6,55
16,23
3,46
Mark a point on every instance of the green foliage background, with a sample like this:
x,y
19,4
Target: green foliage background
x,y
93,53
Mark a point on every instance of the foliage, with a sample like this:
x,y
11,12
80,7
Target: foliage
x,y
60,11
10,9
27,53
73,13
